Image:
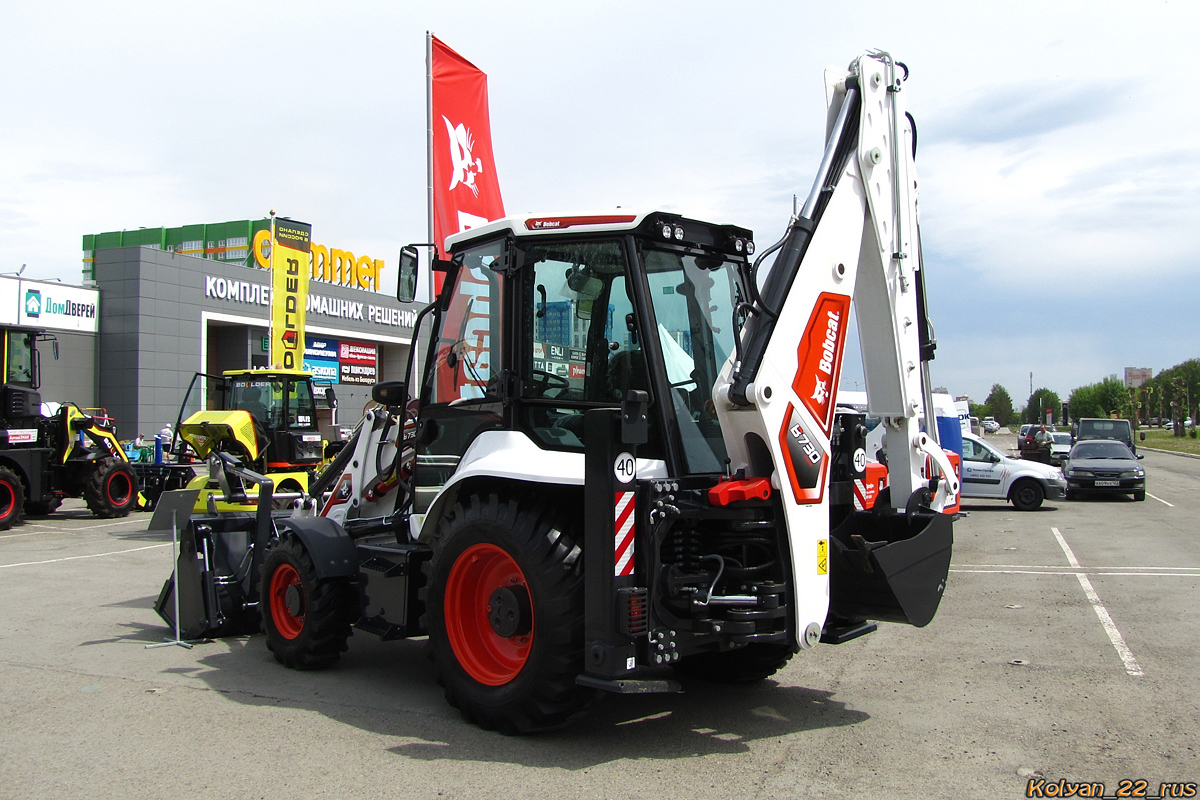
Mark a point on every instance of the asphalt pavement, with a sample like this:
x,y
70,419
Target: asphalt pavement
x,y
1064,650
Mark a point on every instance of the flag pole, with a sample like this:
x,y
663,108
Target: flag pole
x,y
429,125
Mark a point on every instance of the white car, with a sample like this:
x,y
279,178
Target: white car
x,y
987,472
1060,447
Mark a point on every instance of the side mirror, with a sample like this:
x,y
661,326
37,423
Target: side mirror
x,y
1140,456
406,285
393,394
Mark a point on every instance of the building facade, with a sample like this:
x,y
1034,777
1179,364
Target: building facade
x,y
168,311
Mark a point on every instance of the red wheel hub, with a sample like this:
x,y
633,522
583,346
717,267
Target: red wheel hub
x,y
8,496
476,579
287,601
119,488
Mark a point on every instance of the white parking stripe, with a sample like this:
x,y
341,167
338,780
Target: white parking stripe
x,y
1102,572
1114,635
1159,499
964,567
93,555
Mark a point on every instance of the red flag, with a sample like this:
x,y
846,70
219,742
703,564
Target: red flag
x,y
466,190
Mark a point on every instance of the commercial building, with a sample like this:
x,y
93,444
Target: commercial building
x,y
176,301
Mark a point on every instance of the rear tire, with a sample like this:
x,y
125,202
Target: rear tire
x,y
12,498
1026,495
754,662
288,487
306,619
111,490
504,606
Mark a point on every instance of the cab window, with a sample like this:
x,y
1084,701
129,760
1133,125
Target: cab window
x,y
580,346
20,358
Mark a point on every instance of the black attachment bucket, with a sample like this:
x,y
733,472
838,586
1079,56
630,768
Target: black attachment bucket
x,y
890,567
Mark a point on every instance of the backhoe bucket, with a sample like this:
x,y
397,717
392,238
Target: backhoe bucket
x,y
890,567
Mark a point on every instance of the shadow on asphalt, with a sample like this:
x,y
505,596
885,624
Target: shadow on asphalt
x,y
1006,507
705,719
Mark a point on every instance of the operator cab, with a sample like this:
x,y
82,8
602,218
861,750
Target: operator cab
x,y
282,404
542,319
21,373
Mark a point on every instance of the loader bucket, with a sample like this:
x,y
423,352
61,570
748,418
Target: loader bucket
x,y
890,567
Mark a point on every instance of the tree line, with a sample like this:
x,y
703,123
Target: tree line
x,y
1173,394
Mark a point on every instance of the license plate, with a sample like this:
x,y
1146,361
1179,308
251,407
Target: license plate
x,y
1108,483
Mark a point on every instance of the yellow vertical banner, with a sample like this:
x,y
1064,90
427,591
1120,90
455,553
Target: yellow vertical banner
x,y
290,263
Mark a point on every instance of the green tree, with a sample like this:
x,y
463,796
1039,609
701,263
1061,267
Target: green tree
x,y
1000,404
1041,401
1103,400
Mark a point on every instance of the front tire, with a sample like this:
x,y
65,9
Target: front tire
x,y
504,605
111,490
306,619
1139,495
12,498
1026,495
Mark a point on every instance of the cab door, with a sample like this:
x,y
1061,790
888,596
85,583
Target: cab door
x,y
462,392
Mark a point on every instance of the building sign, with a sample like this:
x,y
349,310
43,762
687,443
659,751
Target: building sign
x,y
54,306
329,264
321,357
358,363
342,360
257,294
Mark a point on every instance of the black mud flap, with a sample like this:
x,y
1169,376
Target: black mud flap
x,y
890,567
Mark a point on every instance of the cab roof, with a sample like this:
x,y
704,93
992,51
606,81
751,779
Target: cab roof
x,y
263,373
654,223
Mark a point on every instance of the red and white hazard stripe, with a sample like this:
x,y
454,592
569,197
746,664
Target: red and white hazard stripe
x,y
860,495
623,549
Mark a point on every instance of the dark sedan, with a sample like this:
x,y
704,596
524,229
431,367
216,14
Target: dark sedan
x,y
1098,466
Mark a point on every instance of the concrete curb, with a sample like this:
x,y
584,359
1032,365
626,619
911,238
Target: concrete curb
x,y
1168,452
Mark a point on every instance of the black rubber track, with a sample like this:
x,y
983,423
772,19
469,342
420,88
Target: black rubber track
x,y
12,498
545,544
330,606
100,490
754,662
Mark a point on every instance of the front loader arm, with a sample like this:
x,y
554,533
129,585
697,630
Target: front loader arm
x,y
855,241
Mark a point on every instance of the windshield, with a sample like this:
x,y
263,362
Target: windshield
x,y
275,401
1101,450
694,297
1104,427
1062,438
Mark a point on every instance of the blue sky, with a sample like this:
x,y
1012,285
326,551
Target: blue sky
x,y
1058,156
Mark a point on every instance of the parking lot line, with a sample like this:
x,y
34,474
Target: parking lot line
x,y
1114,635
1010,567
1159,499
75,558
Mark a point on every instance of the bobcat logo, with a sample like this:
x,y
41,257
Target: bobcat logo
x,y
461,145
